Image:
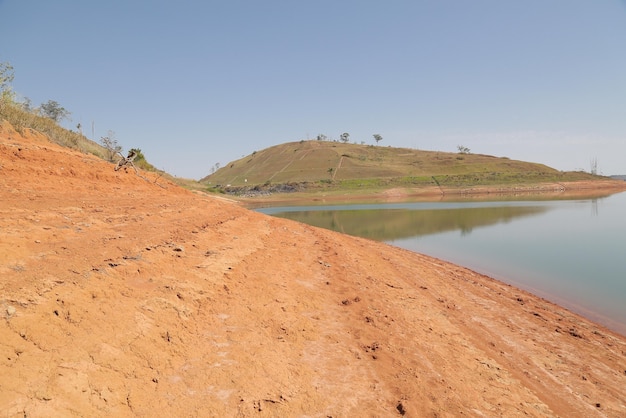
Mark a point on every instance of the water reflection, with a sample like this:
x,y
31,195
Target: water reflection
x,y
594,207
391,224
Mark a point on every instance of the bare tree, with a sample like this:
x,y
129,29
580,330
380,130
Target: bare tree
x,y
110,143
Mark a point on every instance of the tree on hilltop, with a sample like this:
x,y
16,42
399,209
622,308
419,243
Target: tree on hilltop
x,y
345,137
53,110
6,76
463,149
377,138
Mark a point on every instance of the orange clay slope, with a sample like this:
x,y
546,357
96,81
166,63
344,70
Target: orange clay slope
x,y
126,296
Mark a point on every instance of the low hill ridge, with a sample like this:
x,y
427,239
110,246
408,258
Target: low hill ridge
x,y
325,161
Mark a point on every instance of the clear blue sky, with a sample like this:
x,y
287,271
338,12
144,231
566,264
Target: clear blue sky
x,y
194,83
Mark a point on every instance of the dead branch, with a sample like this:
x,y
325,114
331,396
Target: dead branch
x,y
128,161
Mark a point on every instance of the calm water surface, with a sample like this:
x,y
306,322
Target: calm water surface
x,y
572,252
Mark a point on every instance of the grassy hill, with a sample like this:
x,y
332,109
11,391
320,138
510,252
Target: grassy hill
x,y
315,164
22,119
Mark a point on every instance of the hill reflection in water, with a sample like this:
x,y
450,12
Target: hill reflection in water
x,y
391,223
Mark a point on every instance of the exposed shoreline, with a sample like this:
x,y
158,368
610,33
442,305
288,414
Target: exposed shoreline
x,y
569,304
122,297
566,190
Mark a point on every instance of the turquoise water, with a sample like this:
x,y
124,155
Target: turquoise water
x,y
572,252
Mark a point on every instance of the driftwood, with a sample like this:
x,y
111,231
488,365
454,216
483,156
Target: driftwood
x,y
128,161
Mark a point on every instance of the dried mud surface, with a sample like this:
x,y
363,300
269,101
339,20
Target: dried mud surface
x,y
125,297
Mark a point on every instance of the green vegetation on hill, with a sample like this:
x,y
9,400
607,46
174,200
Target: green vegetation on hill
x,y
21,119
333,165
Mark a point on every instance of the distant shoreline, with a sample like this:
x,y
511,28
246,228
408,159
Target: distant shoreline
x,y
564,190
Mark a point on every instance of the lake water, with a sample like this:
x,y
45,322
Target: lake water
x,y
572,252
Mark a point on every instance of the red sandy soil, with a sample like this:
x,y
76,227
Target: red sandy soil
x,y
126,297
